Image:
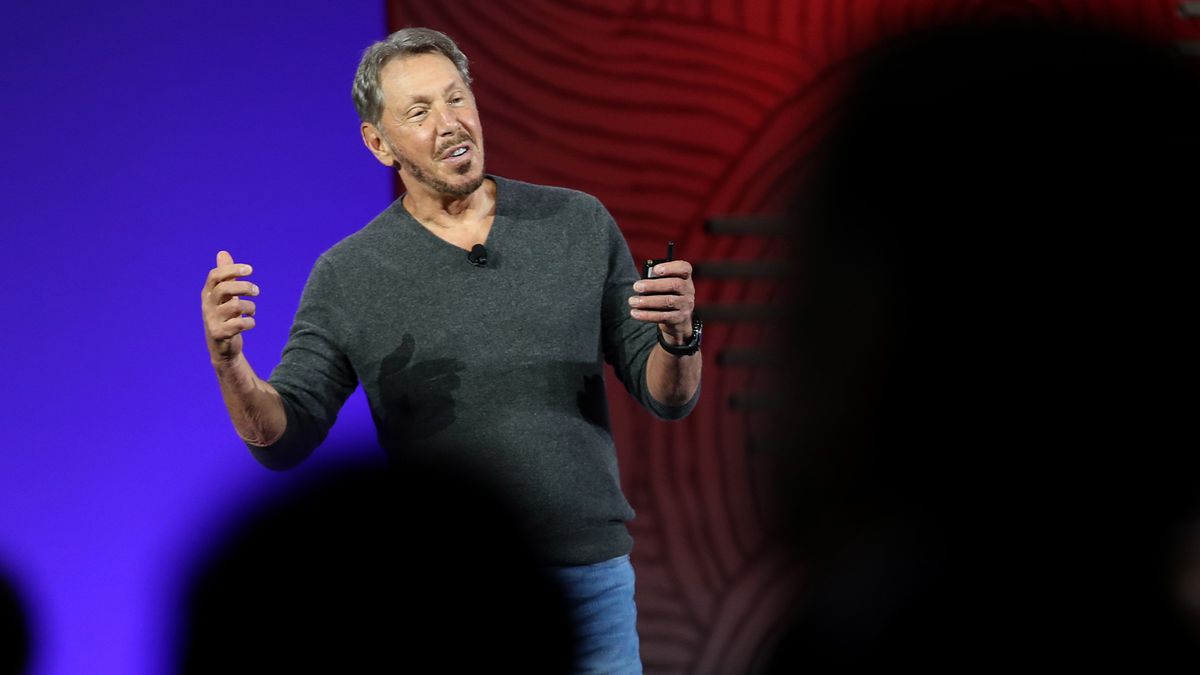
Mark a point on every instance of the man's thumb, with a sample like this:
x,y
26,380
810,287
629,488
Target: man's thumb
x,y
223,258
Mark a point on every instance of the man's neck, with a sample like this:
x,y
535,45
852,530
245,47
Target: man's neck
x,y
442,211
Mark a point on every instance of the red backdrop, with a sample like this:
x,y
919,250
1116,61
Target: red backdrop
x,y
675,112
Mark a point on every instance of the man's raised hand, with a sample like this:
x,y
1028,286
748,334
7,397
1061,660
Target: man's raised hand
x,y
226,312
668,299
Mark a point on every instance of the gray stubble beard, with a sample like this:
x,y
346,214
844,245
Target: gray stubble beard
x,y
436,184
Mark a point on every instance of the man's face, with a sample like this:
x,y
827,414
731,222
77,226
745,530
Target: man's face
x,y
430,126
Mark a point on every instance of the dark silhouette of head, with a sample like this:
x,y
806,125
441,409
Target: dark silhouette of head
x,y
994,335
415,568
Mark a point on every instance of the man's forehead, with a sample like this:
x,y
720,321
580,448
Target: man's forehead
x,y
419,76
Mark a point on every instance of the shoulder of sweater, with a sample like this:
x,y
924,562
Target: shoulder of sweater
x,y
525,199
381,228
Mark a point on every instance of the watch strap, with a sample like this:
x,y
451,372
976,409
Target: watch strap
x,y
692,345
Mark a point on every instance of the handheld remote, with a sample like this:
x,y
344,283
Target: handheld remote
x,y
648,267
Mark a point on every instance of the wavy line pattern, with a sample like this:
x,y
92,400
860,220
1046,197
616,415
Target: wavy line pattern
x,y
672,111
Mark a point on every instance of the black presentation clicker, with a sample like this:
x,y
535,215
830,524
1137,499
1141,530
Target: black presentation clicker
x,y
648,267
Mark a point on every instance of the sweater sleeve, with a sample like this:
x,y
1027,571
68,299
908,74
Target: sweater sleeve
x,y
314,376
627,342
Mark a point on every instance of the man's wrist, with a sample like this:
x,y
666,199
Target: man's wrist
x,y
682,346
677,338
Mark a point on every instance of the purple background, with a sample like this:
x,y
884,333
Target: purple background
x,y
138,139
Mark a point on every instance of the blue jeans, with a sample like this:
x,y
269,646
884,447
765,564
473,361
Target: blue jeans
x,y
601,600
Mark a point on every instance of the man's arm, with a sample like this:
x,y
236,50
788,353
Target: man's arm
x,y
255,408
665,384
668,299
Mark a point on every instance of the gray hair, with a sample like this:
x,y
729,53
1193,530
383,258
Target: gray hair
x,y
368,95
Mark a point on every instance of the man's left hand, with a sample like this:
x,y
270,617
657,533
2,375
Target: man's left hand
x,y
667,299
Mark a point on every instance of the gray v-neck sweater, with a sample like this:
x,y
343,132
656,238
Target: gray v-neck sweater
x,y
498,368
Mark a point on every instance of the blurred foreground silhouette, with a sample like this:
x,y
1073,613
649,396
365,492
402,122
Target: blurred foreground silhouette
x,y
14,629
992,462
416,568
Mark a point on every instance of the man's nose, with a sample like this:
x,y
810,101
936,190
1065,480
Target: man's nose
x,y
447,121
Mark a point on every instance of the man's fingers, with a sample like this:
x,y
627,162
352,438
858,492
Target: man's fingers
x,y
674,268
231,327
668,298
226,314
674,285
654,316
222,292
223,321
662,303
226,272
235,308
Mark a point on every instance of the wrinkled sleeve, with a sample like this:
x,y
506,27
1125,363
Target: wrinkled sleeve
x,y
314,376
626,341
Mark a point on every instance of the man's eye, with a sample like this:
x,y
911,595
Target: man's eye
x,y
415,114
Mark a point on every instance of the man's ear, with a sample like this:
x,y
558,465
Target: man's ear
x,y
375,143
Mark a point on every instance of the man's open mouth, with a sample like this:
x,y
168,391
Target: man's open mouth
x,y
458,151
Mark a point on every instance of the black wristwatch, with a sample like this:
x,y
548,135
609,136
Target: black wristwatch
x,y
688,349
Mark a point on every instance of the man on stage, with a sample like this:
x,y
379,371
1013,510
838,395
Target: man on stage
x,y
477,313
